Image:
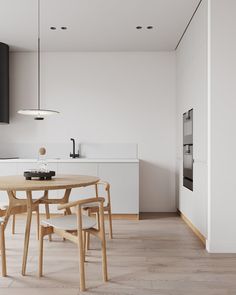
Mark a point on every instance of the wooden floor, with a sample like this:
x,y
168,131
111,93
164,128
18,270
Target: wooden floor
x,y
157,255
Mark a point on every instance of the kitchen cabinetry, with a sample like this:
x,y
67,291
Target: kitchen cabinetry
x,y
123,176
82,169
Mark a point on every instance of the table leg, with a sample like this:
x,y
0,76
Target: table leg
x,y
37,221
6,217
3,250
66,200
47,212
27,231
11,197
13,220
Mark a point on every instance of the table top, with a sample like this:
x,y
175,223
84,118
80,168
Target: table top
x,y
19,183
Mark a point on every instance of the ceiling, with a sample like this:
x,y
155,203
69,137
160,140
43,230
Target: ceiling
x,y
95,25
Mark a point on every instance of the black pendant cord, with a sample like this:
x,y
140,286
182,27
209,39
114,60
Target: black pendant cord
x,y
37,112
39,55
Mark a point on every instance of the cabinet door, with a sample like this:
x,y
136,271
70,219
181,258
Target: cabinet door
x,y
5,170
124,181
79,169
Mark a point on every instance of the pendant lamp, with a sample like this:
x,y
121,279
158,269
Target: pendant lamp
x,y
38,113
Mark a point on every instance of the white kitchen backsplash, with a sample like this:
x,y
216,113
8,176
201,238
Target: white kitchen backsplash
x,y
109,150
63,150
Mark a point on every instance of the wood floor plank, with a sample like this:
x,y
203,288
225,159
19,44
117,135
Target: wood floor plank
x,y
156,255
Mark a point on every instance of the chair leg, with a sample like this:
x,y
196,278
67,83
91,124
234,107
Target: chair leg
x,y
41,235
110,223
48,217
104,261
81,254
87,241
64,213
3,250
81,267
84,244
27,232
13,224
38,222
103,240
98,220
88,236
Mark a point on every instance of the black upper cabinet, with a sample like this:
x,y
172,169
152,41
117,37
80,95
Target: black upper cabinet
x,y
4,83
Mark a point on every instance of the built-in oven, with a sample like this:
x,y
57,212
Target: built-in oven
x,y
188,149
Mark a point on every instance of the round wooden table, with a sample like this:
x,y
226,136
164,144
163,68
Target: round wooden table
x,y
12,184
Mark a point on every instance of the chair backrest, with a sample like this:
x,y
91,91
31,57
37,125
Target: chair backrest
x,y
106,187
80,205
81,217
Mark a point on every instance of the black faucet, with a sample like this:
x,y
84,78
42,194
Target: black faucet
x,y
74,155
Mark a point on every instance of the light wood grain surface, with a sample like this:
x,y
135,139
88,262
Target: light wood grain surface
x,y
19,183
158,255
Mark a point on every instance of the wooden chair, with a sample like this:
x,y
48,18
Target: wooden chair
x,y
74,228
3,211
23,209
95,210
2,248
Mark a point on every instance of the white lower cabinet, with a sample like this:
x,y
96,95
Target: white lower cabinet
x,y
81,169
6,169
124,180
123,177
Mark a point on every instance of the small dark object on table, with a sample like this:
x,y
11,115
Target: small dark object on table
x,y
39,175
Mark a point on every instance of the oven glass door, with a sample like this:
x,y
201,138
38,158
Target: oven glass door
x,y
188,127
188,166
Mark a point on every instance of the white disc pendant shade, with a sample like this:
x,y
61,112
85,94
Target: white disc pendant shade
x,y
38,113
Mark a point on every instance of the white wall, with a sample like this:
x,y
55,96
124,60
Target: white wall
x,y
103,98
222,217
192,93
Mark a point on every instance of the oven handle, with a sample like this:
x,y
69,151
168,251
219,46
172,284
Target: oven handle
x,y
188,151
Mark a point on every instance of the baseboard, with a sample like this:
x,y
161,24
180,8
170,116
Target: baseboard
x,y
114,216
193,228
125,216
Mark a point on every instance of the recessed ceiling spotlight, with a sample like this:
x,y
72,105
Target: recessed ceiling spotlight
x,y
139,27
53,28
64,28
150,27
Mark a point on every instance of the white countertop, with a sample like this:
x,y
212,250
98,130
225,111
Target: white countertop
x,y
77,160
